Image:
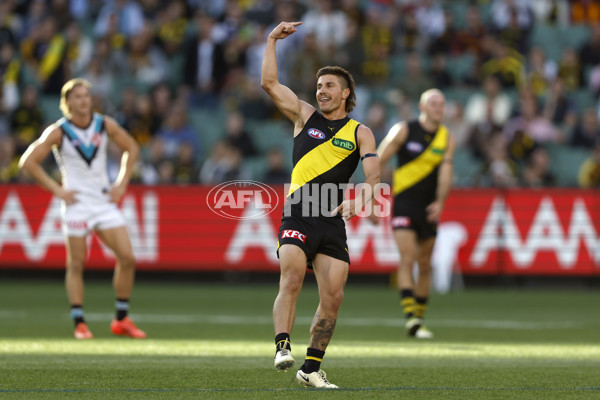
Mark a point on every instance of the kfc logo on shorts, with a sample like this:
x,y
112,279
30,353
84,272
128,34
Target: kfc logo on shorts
x,y
400,222
315,133
77,225
290,233
414,147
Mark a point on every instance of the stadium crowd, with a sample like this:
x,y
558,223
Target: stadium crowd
x,y
521,78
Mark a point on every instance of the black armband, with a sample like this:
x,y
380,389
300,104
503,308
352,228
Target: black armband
x,y
368,155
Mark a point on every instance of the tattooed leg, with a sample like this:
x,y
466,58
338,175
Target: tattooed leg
x,y
321,331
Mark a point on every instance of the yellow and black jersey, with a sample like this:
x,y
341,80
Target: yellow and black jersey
x,y
325,152
419,159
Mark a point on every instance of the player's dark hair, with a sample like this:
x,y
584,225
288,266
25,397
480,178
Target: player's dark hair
x,y
346,82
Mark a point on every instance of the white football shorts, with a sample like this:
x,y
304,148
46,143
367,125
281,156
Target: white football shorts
x,y
79,219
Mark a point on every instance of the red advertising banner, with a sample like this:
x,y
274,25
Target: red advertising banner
x,y
522,232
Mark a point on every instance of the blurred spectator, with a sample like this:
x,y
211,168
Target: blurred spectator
x,y
503,11
214,8
9,160
125,15
414,81
523,132
377,120
551,11
126,108
498,170
27,120
493,105
539,71
253,103
431,20
10,77
506,64
277,173
569,69
143,124
254,52
457,124
237,136
185,170
262,12
223,164
515,35
587,132
327,24
407,35
585,12
172,23
377,45
161,98
44,51
165,172
469,38
594,80
559,108
36,13
176,131
79,49
440,77
536,173
144,61
204,69
99,76
61,12
589,53
352,54
448,41
589,172
304,67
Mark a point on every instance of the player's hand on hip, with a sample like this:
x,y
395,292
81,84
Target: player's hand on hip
x,y
284,30
117,192
67,195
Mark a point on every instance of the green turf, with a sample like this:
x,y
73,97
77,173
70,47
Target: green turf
x,y
216,341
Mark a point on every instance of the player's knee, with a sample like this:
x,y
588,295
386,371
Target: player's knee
x,y
291,283
407,261
425,267
332,299
126,261
75,266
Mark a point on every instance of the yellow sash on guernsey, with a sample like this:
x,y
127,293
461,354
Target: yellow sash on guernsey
x,y
414,171
325,156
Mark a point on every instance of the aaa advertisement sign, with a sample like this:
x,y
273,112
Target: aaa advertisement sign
x,y
172,228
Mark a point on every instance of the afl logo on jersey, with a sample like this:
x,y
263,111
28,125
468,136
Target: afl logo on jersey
x,y
414,147
317,134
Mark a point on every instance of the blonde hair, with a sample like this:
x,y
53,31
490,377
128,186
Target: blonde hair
x,y
430,93
66,91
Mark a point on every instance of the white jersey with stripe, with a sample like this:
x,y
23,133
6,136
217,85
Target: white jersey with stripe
x,y
82,160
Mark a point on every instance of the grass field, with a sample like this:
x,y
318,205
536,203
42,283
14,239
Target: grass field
x,y
216,341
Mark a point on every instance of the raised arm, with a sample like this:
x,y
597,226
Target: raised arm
x,y
36,153
284,98
131,153
434,210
